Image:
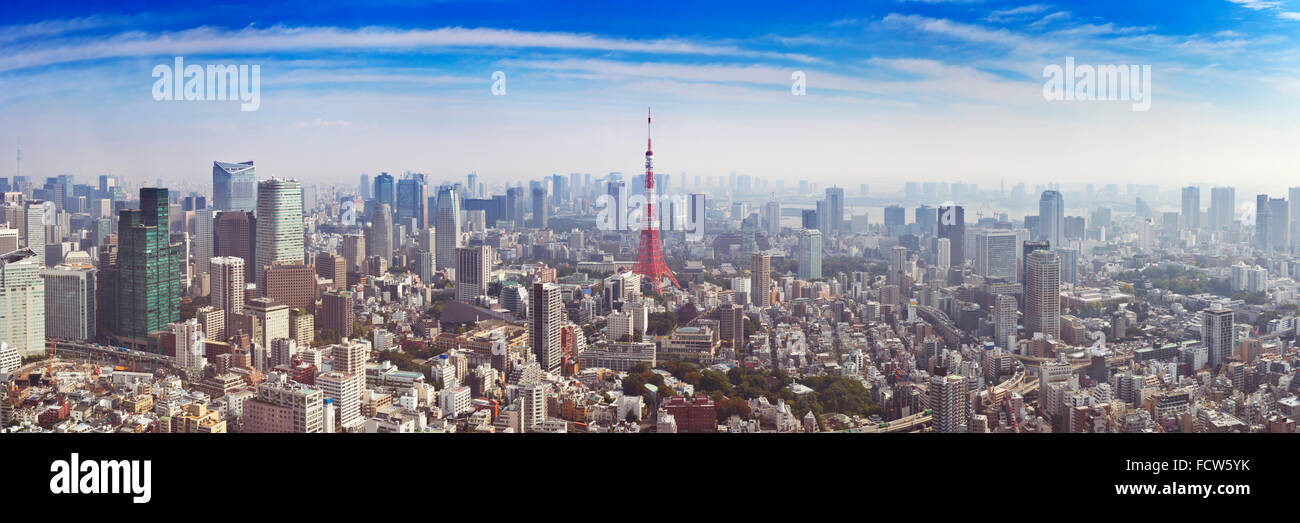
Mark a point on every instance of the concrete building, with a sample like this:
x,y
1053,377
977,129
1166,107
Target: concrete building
x,y
70,302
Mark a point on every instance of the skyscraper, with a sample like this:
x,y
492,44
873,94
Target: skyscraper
x,y
948,398
835,203
544,329
190,343
1043,293
384,190
943,255
228,274
354,251
1191,209
952,225
760,278
810,254
1051,218
448,226
1217,333
897,261
1223,201
145,284
1263,212
772,218
234,186
279,226
379,236
995,255
1279,224
204,240
412,196
824,218
69,302
1004,321
35,218
473,272
731,325
22,303
697,213
235,236
541,210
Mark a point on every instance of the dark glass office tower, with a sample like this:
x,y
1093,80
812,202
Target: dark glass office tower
x,y
234,186
384,190
145,284
412,196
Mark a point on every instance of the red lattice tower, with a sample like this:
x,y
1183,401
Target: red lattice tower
x,y
650,262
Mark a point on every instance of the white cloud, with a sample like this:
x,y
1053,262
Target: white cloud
x,y
1003,15
280,39
1257,5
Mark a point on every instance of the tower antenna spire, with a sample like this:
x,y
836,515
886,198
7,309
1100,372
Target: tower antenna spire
x,y
647,129
650,260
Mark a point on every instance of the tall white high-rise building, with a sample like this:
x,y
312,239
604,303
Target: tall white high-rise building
x,y
69,302
1051,218
835,206
943,255
544,329
190,344
995,255
696,216
1004,321
279,226
897,260
619,325
345,389
35,216
22,303
448,225
1217,333
810,254
1191,210
947,402
532,407
473,272
228,287
1223,206
772,218
639,310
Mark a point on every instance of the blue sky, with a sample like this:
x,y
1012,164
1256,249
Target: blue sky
x,y
896,90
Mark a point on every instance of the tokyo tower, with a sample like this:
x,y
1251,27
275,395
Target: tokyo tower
x,y
649,253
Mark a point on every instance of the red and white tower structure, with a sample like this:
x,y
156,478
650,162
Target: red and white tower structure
x,y
650,262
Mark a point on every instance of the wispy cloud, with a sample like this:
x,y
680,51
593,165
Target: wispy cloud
x,y
1003,15
1272,6
281,39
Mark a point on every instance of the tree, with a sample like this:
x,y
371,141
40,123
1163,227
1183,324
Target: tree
x,y
661,323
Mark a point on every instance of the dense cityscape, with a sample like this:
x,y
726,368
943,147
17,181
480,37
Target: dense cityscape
x,y
650,302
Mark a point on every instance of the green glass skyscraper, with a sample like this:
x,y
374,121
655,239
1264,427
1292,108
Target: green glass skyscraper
x,y
145,284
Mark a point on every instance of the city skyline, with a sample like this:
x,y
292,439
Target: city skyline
x,y
894,81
